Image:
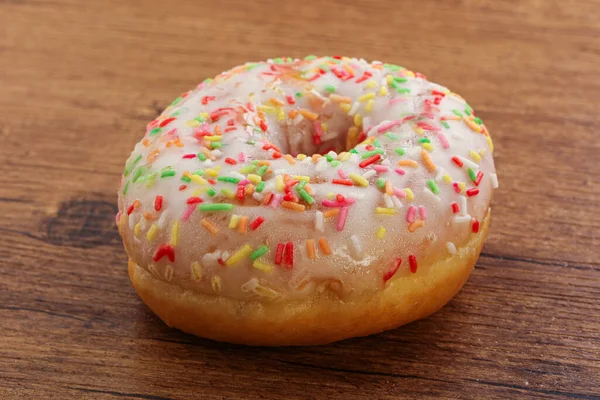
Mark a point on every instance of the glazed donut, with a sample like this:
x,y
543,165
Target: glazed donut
x,y
300,202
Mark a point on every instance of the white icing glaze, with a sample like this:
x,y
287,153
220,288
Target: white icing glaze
x,y
260,110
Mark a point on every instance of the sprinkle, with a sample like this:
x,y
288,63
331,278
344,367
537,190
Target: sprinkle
x,y
409,194
423,213
342,218
194,200
472,174
427,161
293,206
457,161
478,178
209,226
228,179
388,125
215,207
412,260
369,174
468,163
239,255
319,223
461,219
473,154
340,99
279,253
494,179
451,247
356,247
392,270
324,244
408,163
346,182
233,222
359,180
472,192
331,213
197,179
310,248
262,266
415,225
411,214
174,234
216,283
433,186
471,124
475,226
308,114
370,160
289,254
455,208
380,233
259,252
152,232
385,211
243,224
164,250
381,168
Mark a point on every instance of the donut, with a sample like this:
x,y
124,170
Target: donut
x,y
305,201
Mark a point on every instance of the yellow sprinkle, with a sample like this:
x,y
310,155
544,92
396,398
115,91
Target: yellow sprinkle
x,y
324,126
340,99
280,115
369,105
409,194
198,191
279,183
386,211
481,152
471,124
366,96
213,138
346,107
301,157
383,90
330,195
254,178
418,130
237,256
264,267
473,154
152,232
267,109
136,229
447,178
266,291
290,159
174,234
462,186
192,123
228,193
359,180
196,270
389,79
410,73
198,179
211,172
301,177
345,156
490,143
380,232
234,221
371,84
357,120
216,283
428,146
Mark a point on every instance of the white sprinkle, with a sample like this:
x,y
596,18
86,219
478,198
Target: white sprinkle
x,y
494,179
131,221
366,122
250,285
468,163
462,205
208,162
319,221
217,153
332,154
431,195
369,174
388,200
451,247
321,165
440,174
358,196
356,247
396,202
354,157
236,174
162,221
279,172
258,196
385,161
353,109
461,219
307,160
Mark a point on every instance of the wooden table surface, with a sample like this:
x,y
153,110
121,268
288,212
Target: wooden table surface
x,y
80,79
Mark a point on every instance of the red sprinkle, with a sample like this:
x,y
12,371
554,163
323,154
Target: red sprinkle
x,y
230,161
478,178
456,187
475,226
392,271
289,254
279,253
457,161
276,154
212,181
413,263
240,192
438,93
370,161
182,187
347,182
263,125
257,222
191,155
369,147
472,192
455,208
220,261
164,250
340,198
194,200
166,121
158,202
290,100
130,209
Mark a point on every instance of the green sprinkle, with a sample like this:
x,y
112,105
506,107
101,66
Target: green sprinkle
x,y
261,171
391,136
298,94
329,157
167,171
380,183
335,163
330,88
144,178
201,156
354,151
250,141
211,192
227,192
137,173
445,124
305,196
478,120
393,67
199,118
424,140
376,143
216,145
403,90
260,186
301,184
247,169
130,167
433,186
229,179
399,151
199,172
186,178
215,207
400,79
250,66
311,57
394,84
207,80
468,110
456,112
125,188
262,250
176,101
155,131
372,153
278,60
472,174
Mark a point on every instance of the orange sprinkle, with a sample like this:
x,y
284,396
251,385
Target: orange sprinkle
x,y
316,157
427,161
146,142
277,102
249,189
309,190
308,114
415,225
261,163
324,246
331,213
471,124
293,206
209,226
388,187
243,225
293,113
348,69
217,130
340,99
207,153
310,248
178,143
136,204
148,216
152,156
290,159
408,163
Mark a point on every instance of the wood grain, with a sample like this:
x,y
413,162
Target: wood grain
x,y
78,82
